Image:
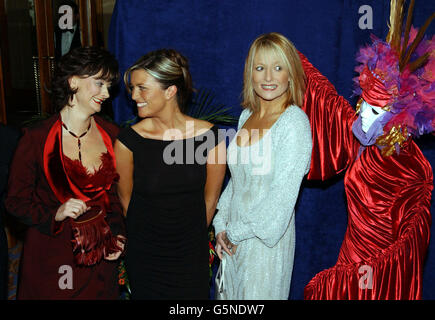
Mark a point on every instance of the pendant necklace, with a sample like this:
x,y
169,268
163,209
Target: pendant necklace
x,y
78,137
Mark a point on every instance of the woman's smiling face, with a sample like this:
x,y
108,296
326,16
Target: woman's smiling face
x,y
270,76
147,92
91,92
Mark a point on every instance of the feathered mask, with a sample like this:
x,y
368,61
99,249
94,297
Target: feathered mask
x,y
398,76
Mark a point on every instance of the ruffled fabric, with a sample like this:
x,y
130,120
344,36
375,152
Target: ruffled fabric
x,y
383,251
331,118
92,182
388,204
393,274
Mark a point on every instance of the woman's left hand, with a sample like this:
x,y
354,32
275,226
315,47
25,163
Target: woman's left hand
x,y
223,243
116,255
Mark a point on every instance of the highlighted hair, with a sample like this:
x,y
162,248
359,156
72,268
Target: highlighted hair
x,y
277,44
168,67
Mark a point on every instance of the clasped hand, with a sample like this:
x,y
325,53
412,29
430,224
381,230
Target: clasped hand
x,y
73,208
121,243
222,242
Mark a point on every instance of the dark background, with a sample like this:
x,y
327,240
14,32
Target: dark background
x,y
215,36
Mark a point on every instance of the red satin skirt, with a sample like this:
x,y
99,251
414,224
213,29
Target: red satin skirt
x,y
388,231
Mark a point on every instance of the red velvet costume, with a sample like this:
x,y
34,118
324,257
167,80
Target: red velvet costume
x,y
388,201
41,179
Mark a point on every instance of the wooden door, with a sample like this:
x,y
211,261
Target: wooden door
x,y
28,48
18,46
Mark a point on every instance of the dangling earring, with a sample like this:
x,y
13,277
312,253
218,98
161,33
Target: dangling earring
x,y
73,87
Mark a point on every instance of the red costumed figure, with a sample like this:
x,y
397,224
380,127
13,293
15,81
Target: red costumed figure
x,y
388,181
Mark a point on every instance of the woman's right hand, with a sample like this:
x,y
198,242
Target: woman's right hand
x,y
73,208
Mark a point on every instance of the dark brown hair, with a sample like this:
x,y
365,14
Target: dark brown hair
x,y
82,62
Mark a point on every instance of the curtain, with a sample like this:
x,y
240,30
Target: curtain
x,y
215,36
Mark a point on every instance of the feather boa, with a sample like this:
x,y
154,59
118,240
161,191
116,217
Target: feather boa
x,y
412,92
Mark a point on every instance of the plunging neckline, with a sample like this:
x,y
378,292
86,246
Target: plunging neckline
x,y
90,182
262,137
101,156
84,169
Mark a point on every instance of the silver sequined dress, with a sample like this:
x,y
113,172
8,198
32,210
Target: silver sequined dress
x,y
257,207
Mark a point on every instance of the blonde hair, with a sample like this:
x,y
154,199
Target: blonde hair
x,y
284,48
168,67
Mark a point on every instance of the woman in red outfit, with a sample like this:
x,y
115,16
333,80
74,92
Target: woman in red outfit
x,y
62,186
388,181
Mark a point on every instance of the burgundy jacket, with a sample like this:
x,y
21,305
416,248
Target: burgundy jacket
x,y
47,268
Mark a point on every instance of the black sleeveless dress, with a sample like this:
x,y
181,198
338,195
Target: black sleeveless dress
x,y
167,247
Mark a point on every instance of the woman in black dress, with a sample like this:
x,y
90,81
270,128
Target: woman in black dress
x,y
172,167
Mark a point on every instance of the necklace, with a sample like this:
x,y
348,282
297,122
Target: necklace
x,y
78,137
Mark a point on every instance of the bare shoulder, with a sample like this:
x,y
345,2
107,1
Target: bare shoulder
x,y
144,127
200,126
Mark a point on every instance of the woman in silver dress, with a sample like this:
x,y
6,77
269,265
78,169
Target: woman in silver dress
x,y
269,157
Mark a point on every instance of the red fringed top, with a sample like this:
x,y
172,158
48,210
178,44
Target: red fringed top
x,y
88,182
